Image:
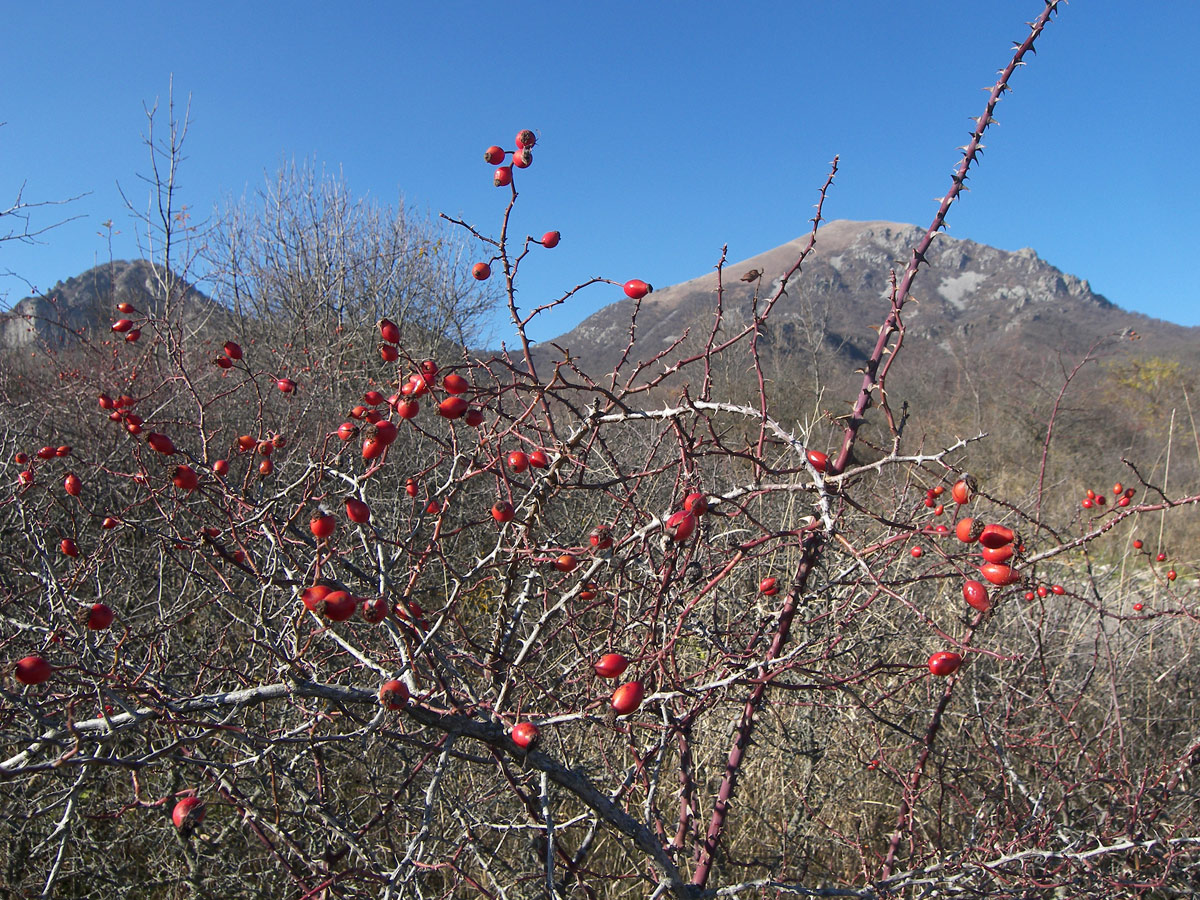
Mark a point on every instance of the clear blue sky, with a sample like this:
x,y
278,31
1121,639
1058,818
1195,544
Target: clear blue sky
x,y
667,129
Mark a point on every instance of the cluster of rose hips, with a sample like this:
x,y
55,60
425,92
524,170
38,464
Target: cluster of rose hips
x,y
1122,495
380,432
338,605
933,500
124,326
331,602
72,484
996,547
522,157
230,354
1044,591
961,492
997,544
264,447
121,410
681,524
519,461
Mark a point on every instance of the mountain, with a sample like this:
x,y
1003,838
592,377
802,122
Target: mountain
x,y
971,298
88,302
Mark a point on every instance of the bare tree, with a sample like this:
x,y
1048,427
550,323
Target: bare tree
x,y
307,252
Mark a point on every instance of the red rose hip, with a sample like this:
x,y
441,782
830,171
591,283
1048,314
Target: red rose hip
x,y
976,596
185,478
357,511
99,617
393,694
628,697
389,331
188,813
944,662
611,665
680,526
636,289
524,734
322,525
33,670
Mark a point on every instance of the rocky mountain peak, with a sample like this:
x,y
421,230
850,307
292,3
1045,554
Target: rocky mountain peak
x,y
88,301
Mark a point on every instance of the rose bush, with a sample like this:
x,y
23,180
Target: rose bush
x,y
355,647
